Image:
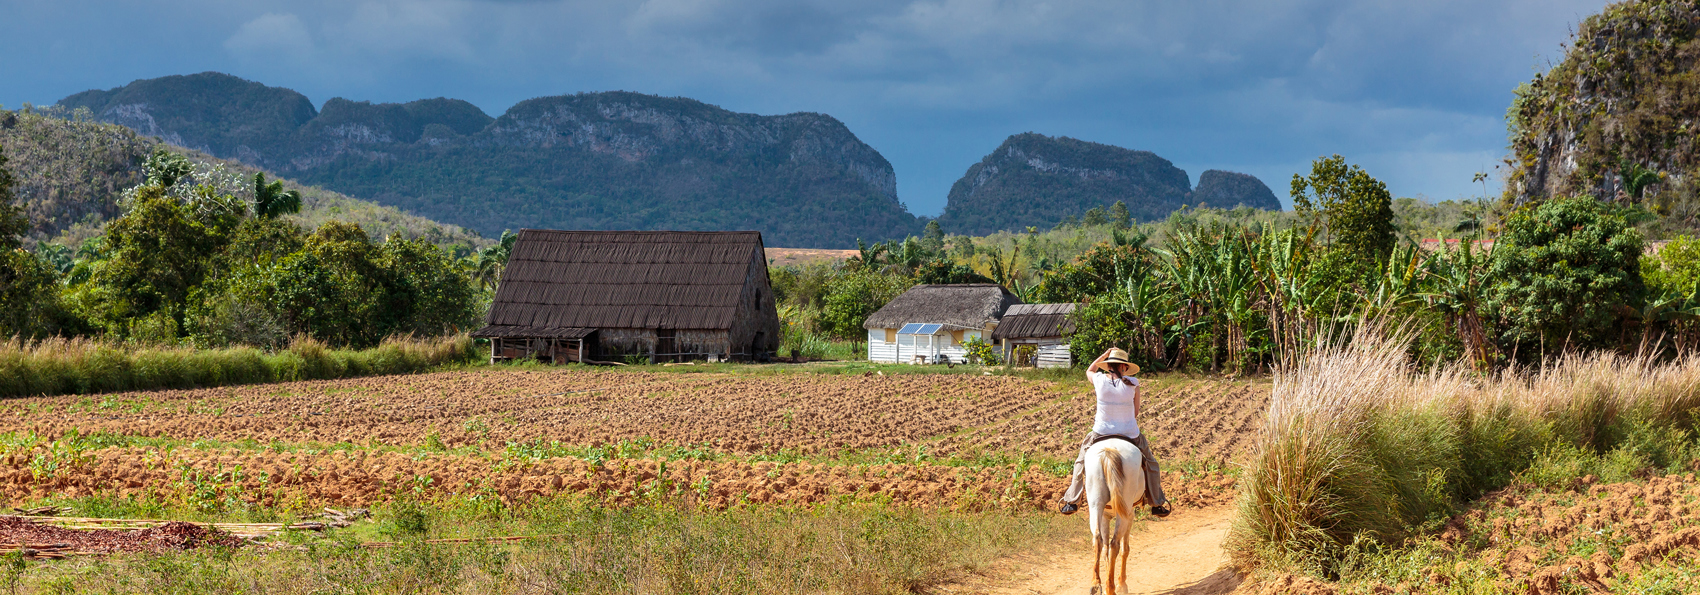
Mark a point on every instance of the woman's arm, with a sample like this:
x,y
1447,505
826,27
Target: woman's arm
x,y
1136,402
1098,363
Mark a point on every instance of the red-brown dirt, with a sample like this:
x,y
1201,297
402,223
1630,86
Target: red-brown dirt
x,y
1591,539
1188,420
362,477
728,414
17,532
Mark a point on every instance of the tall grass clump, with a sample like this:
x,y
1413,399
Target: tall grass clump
x,y
1361,450
61,366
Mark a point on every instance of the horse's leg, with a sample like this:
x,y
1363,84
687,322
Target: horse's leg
x,y
1097,557
1110,577
1124,525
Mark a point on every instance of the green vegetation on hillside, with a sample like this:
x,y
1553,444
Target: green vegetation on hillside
x,y
72,172
1616,118
188,261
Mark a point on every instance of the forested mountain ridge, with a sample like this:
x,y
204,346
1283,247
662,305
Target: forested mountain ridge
x,y
71,174
1619,113
612,160
1039,181
1226,189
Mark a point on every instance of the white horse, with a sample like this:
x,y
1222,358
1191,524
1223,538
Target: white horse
x,y
1115,485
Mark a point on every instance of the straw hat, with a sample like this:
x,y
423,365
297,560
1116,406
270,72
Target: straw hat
x,y
1117,356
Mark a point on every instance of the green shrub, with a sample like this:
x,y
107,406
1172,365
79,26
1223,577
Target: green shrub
x,y
58,366
980,352
1563,272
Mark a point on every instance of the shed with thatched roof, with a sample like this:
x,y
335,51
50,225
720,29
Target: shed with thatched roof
x,y
932,320
612,295
1036,335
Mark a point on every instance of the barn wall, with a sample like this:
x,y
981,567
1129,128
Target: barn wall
x,y
703,341
757,315
692,343
615,343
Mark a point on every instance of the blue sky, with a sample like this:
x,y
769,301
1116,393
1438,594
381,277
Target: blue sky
x,y
1413,91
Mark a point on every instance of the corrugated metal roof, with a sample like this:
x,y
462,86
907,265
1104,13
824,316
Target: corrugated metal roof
x,y
624,279
1029,321
1025,309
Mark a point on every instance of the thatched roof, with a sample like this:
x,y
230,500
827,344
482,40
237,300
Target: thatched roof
x,y
966,306
531,332
1030,321
622,279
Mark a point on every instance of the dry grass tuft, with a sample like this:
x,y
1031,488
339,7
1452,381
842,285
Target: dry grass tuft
x,y
1361,448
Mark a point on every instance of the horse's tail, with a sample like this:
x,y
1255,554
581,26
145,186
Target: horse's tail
x,y
1111,460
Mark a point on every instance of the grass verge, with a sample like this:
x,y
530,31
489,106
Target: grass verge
x,y
73,366
1360,451
658,547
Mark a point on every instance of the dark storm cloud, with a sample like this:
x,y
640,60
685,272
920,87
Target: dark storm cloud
x,y
1414,91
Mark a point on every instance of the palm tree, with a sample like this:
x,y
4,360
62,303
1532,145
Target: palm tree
x,y
271,200
1005,272
492,260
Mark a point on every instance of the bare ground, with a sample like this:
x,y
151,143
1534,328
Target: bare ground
x,y
1181,554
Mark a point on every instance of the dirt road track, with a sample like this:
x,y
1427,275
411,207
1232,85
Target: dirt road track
x,y
1179,555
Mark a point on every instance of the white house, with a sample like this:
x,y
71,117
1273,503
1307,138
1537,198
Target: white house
x,y
932,320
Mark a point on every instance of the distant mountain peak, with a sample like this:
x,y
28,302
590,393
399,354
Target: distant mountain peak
x,y
611,160
1037,180
1226,189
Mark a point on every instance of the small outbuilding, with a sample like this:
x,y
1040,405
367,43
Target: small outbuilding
x,y
576,296
932,320
1035,335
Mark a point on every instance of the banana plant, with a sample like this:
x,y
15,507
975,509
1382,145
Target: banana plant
x,y
1458,285
1291,293
867,256
1398,282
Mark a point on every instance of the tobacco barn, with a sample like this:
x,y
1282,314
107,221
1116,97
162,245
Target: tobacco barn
x,y
581,296
1036,335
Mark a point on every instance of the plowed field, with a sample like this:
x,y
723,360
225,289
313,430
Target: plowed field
x,y
1600,538
308,479
735,418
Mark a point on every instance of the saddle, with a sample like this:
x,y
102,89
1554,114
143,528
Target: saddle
x,y
1149,463
1115,437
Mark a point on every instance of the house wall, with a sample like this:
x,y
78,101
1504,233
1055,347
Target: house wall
x,y
755,326
1053,352
1055,356
904,348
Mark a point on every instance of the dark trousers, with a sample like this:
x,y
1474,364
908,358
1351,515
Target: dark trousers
x,y
1153,477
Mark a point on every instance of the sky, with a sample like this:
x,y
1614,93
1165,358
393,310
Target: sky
x,y
1415,92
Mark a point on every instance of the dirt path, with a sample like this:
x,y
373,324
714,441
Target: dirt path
x,y
1181,554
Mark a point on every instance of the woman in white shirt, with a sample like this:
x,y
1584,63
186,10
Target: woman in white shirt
x,y
1118,417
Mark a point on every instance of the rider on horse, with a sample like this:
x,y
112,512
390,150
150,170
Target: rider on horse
x,y
1118,410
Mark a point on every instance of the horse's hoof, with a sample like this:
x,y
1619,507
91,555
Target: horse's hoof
x,y
1094,590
